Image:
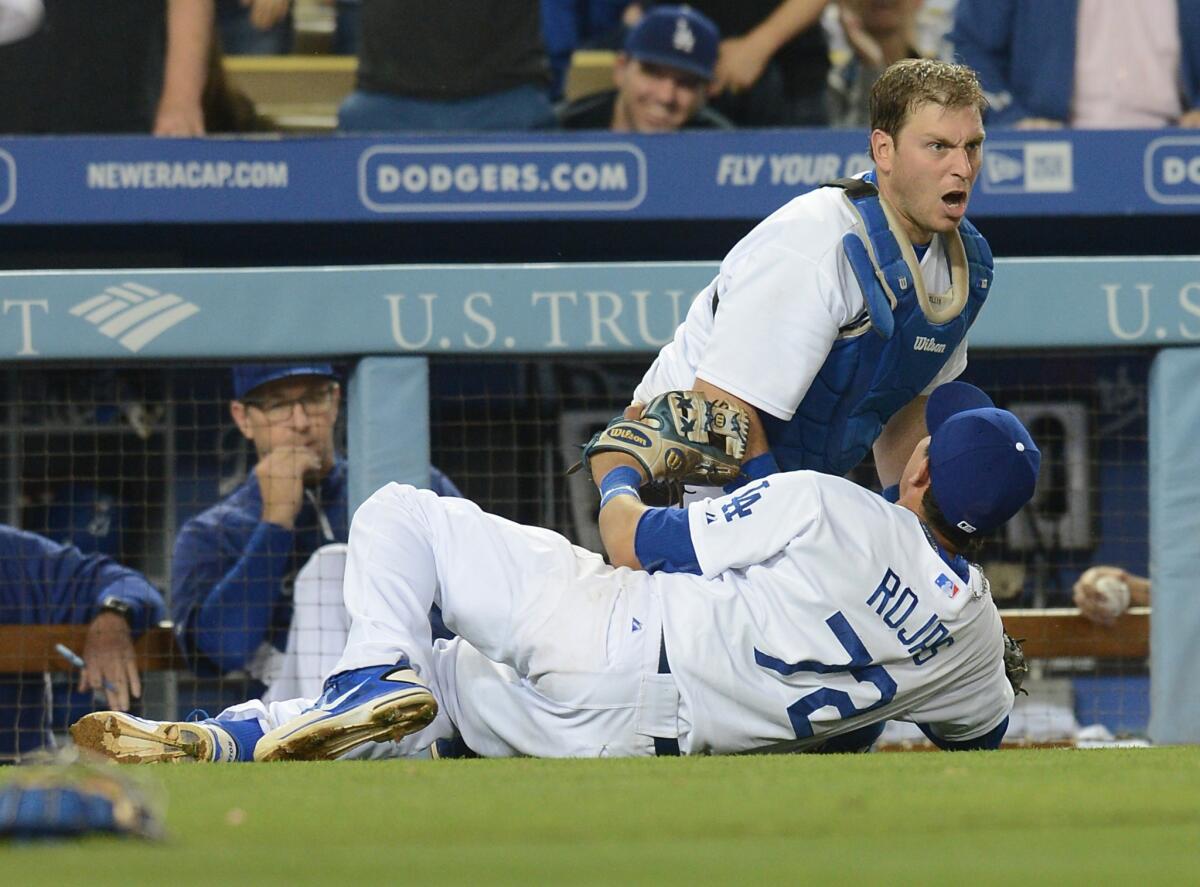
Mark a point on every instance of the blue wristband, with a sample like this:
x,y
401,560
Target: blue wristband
x,y
760,466
623,480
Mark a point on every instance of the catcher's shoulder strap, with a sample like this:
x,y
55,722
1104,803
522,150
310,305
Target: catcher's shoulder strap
x,y
856,189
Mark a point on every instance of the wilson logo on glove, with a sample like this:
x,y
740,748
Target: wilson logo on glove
x,y
630,436
682,437
674,460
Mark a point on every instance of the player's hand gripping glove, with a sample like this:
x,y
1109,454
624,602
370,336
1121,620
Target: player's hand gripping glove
x,y
1015,666
681,437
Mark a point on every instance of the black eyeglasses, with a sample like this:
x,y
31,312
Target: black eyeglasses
x,y
314,403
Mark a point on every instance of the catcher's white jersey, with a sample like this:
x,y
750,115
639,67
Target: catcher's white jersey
x,y
826,608
785,290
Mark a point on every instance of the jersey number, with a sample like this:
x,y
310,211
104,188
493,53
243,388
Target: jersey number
x,y
859,667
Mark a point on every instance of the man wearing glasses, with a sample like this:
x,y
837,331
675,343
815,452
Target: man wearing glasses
x,y
256,579
248,595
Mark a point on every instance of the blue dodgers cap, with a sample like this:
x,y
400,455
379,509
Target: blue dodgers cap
x,y
677,37
248,376
983,465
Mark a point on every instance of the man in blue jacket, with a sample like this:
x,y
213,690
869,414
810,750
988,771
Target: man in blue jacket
x,y
256,578
1084,63
45,583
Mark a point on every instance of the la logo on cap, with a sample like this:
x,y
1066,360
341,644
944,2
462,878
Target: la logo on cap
x,y
684,40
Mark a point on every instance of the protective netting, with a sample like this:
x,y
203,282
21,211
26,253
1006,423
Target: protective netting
x,y
115,460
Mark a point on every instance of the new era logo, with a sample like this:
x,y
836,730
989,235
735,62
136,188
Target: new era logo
x,y
1028,168
1002,168
134,315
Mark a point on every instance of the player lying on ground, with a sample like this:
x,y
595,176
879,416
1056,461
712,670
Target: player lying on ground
x,y
799,610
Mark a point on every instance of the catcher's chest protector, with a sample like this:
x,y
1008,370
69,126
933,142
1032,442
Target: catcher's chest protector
x,y
885,359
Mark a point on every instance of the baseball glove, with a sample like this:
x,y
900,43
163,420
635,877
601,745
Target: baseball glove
x,y
72,797
681,437
1015,667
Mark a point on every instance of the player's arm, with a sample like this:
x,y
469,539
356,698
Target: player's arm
x,y
734,531
636,535
620,506
758,461
899,438
907,428
756,437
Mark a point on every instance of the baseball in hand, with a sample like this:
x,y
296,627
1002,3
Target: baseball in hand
x,y
1112,596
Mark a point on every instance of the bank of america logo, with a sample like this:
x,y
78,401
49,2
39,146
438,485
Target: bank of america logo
x,y
134,315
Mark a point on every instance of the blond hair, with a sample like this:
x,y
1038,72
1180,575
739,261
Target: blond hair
x,y
910,83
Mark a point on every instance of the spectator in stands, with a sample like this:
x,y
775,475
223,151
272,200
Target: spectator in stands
x,y
1091,64
773,61
1104,593
427,65
109,66
661,78
879,32
257,578
45,583
255,27
568,25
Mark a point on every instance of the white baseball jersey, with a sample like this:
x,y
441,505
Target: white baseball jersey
x,y
826,608
822,608
784,290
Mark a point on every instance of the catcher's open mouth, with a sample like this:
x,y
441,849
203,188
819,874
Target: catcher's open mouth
x,y
955,199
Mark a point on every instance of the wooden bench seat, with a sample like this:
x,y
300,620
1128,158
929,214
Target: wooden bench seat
x,y
1047,634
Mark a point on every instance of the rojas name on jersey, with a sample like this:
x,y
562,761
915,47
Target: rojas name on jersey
x,y
895,605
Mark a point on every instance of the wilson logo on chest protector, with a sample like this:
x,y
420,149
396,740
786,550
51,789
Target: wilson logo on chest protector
x,y
928,343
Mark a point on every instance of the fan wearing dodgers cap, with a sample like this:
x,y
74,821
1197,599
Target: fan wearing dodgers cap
x,y
797,613
661,78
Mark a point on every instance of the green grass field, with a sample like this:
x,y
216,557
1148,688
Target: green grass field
x,y
1113,816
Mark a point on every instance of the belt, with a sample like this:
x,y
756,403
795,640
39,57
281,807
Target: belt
x,y
664,747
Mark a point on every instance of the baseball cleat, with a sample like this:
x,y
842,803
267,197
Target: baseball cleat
x,y
372,704
130,740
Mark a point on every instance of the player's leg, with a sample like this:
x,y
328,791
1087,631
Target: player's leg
x,y
132,740
523,596
498,713
231,736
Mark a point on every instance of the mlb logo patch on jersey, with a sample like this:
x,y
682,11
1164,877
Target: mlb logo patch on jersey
x,y
948,586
